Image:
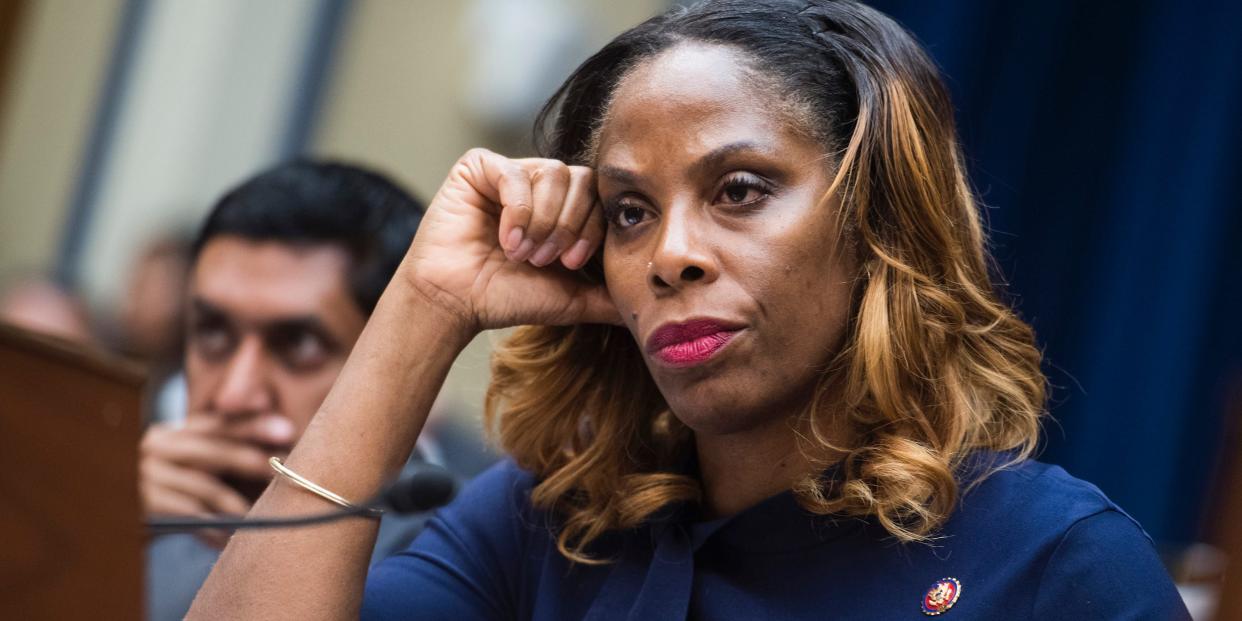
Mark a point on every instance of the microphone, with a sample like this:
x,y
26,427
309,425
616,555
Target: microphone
x,y
426,489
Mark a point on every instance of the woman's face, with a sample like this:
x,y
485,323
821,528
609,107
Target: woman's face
x,y
722,251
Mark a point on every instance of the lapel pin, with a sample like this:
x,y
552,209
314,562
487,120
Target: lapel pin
x,y
941,596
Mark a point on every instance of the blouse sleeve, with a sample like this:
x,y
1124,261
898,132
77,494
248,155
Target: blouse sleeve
x,y
465,564
1106,568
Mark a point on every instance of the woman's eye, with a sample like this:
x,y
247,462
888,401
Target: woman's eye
x,y
742,191
629,215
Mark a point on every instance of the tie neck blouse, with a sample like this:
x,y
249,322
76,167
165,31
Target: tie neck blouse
x,y
1029,542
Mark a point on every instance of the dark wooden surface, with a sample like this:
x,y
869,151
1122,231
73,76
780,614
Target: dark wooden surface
x,y
1226,507
70,543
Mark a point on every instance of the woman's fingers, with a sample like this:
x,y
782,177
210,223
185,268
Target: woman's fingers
x,y
505,183
549,181
547,208
590,236
579,215
575,209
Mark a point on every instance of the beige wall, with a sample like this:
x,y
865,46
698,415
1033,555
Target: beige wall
x,y
397,99
60,59
206,103
396,103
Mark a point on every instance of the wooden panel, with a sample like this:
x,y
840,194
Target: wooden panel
x,y
11,14
1226,506
70,542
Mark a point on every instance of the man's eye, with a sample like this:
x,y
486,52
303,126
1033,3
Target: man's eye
x,y
212,341
302,350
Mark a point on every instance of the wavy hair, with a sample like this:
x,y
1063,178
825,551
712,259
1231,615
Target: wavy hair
x,y
935,366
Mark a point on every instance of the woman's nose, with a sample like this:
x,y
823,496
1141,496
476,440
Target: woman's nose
x,y
682,254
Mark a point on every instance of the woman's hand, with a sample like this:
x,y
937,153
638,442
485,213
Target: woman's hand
x,y
501,239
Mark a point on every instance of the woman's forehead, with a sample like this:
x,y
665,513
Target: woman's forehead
x,y
692,99
687,70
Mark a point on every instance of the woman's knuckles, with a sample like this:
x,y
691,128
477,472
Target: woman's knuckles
x,y
487,261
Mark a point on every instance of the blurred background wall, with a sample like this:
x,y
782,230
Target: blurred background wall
x,y
48,99
123,120
1104,138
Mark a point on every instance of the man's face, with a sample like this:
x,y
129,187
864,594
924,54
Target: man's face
x,y
269,327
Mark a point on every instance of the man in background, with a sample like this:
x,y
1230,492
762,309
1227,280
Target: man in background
x,y
283,276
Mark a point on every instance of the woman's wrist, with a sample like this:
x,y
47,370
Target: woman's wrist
x,y
381,399
430,306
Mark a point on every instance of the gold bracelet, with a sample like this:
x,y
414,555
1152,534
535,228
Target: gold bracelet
x,y
319,490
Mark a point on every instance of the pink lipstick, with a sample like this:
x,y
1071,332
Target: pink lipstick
x,y
690,343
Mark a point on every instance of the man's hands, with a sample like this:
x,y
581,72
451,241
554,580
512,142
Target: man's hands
x,y
181,469
501,239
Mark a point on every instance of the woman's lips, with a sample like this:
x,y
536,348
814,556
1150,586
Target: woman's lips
x,y
692,342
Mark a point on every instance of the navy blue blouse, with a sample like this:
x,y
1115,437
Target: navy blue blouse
x,y
1029,542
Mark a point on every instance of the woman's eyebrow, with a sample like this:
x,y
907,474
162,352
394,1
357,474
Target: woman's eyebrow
x,y
619,175
711,160
716,157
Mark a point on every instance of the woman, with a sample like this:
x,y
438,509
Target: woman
x,y
809,404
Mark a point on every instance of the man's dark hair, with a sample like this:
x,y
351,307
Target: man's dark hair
x,y
309,202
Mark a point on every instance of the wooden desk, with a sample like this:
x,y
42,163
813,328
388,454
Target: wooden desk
x,y
70,542
1226,506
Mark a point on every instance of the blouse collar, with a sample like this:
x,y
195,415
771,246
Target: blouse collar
x,y
776,524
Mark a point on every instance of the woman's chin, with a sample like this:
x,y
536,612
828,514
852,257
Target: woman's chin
x,y
717,414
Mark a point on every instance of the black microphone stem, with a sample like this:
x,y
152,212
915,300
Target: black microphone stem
x,y
420,492
162,526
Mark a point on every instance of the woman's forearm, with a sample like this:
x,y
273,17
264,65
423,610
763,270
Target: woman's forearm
x,y
360,438
456,279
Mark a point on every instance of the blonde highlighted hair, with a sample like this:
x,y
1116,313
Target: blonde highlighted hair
x,y
935,367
